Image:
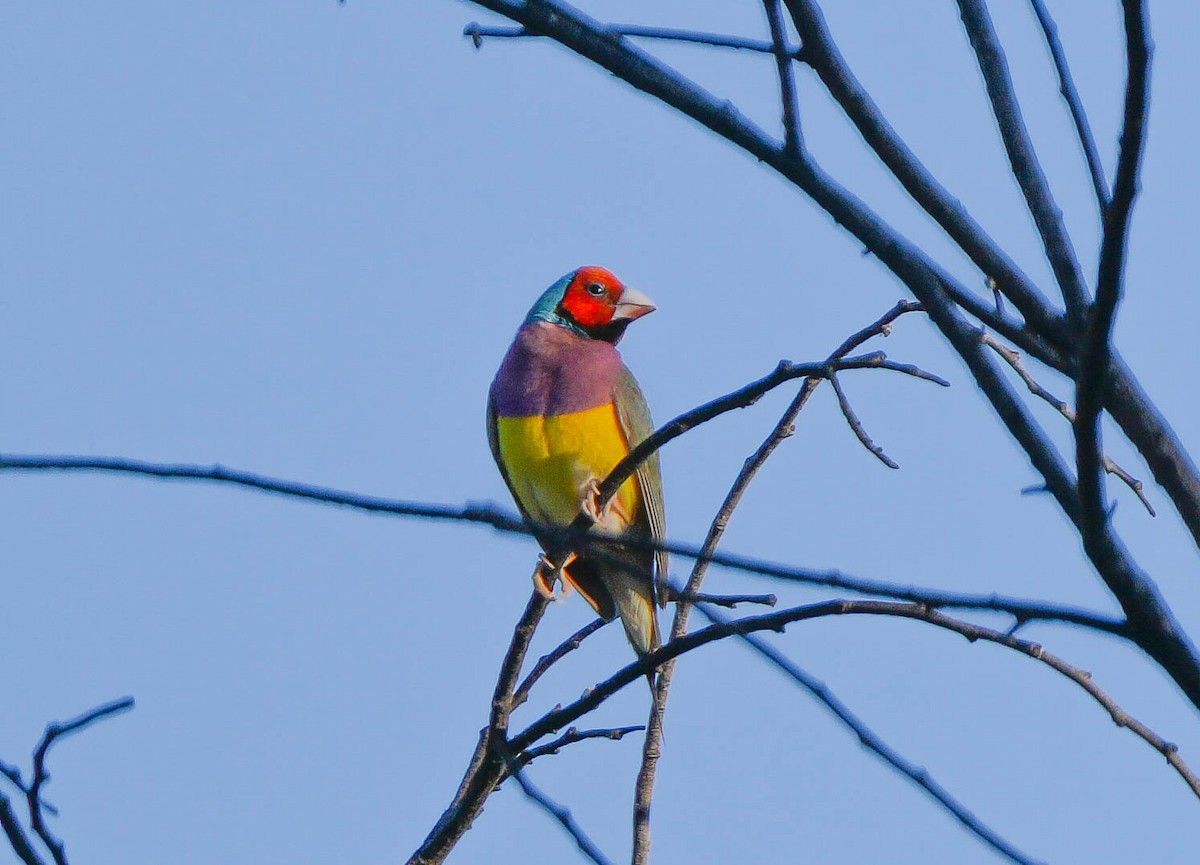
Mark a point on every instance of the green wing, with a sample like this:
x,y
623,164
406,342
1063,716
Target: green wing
x,y
636,423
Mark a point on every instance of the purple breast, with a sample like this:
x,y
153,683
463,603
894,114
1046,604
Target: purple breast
x,y
550,370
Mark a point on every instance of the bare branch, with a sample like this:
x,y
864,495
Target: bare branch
x,y
489,763
652,748
792,138
1151,622
1013,358
882,326
217,473
1159,633
560,813
12,773
729,602
1067,87
1022,157
488,514
741,398
778,621
1097,351
590,39
15,833
1020,609
1146,427
783,429
574,735
476,512
570,644
822,54
871,740
856,425
478,32
34,804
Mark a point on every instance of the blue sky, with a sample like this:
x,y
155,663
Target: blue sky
x,y
296,238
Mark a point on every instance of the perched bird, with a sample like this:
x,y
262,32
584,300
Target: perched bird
x,y
562,412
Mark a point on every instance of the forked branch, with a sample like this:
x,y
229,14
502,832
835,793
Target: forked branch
x,y
35,804
1158,633
1083,129
1013,358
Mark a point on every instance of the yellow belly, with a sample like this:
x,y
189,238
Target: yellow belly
x,y
549,461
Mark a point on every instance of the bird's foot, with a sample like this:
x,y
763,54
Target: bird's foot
x,y
612,517
547,573
591,502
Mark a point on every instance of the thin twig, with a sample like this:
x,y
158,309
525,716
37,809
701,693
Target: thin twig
x,y
545,662
871,740
1066,86
1022,157
1158,632
12,773
217,473
489,763
742,398
784,428
859,430
1020,609
729,602
1013,358
822,54
33,794
563,815
485,513
792,136
1148,429
17,839
778,621
997,295
572,736
784,372
478,32
1097,350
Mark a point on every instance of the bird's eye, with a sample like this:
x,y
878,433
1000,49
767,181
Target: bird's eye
x,y
596,289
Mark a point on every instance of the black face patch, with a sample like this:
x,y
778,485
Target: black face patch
x,y
611,332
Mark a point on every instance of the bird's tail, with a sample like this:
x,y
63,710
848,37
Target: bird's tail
x,y
624,588
634,600
633,597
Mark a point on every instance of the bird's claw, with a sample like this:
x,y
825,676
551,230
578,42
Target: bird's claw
x,y
547,573
591,502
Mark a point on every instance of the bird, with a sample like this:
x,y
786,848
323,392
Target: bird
x,y
563,410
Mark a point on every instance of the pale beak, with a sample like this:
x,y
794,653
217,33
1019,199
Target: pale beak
x,y
633,304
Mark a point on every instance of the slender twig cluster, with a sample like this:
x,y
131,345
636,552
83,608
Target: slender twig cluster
x,y
993,330
500,754
1072,339
35,805
1064,338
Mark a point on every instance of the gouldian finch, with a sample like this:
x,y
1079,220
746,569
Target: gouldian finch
x,y
562,412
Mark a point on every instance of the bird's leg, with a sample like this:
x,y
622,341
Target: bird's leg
x,y
591,502
603,516
546,574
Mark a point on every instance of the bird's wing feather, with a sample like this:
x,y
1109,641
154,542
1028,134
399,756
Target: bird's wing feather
x,y
636,423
